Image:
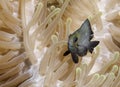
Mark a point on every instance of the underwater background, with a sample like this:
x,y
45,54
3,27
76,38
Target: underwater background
x,y
34,36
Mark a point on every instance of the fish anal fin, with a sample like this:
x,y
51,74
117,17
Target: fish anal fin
x,y
90,50
92,45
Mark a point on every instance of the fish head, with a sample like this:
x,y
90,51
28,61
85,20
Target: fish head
x,y
72,42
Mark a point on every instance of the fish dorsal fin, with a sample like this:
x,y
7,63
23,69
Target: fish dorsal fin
x,y
85,30
86,27
91,36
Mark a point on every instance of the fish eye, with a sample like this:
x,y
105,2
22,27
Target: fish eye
x,y
75,39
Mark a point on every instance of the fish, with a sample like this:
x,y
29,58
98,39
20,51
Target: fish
x,y
79,42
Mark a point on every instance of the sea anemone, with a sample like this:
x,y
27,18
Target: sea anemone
x,y
34,36
113,18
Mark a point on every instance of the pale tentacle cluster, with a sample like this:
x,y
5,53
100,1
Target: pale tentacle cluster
x,y
14,68
113,18
80,10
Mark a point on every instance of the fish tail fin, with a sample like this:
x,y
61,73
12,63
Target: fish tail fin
x,y
93,44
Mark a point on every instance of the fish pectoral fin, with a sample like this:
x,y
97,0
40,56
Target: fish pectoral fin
x,y
66,53
74,58
93,44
